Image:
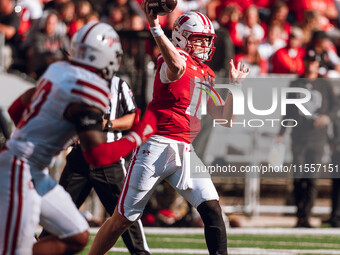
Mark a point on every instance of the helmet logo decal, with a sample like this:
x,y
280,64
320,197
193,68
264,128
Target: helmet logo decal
x,y
110,40
107,40
183,20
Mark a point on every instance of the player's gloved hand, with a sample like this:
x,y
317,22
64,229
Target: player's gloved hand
x,y
142,130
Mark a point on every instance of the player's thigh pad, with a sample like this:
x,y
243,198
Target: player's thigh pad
x,y
146,169
19,206
59,215
202,189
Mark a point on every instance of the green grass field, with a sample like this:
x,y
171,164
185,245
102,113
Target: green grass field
x,y
238,244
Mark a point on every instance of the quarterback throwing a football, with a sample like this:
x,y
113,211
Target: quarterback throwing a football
x,y
166,155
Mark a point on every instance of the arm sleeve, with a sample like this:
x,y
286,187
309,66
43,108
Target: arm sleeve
x,y
163,73
108,153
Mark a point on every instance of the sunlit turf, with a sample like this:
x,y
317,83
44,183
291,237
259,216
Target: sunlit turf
x,y
194,241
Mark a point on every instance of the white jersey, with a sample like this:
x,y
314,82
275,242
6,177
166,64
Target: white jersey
x,y
43,130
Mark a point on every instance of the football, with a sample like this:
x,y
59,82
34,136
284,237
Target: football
x,y
162,7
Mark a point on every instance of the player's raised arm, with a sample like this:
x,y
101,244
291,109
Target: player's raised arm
x,y
236,76
176,64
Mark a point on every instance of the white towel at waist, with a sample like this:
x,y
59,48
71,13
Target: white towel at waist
x,y
183,149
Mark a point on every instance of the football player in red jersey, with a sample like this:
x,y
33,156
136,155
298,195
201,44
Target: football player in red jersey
x,y
166,155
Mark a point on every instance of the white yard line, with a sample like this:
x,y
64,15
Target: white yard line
x,y
260,251
242,231
252,242
239,251
167,251
285,231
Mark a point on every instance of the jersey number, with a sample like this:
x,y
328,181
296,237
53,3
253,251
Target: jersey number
x,y
195,107
38,99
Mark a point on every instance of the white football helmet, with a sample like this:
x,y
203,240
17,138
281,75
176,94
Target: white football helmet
x,y
97,45
194,23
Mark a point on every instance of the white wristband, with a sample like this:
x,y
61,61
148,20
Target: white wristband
x,y
134,137
156,31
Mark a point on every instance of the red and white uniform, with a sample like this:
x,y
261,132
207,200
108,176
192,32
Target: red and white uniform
x,y
42,133
177,105
168,155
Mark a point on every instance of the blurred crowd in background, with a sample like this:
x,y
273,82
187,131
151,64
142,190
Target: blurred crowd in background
x,y
271,36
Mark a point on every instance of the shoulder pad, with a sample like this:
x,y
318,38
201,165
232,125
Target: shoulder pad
x,y
91,93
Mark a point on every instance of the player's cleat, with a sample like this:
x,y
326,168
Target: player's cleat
x,y
303,223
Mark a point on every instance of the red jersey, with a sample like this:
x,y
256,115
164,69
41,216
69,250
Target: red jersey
x,y
177,105
299,7
284,63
